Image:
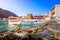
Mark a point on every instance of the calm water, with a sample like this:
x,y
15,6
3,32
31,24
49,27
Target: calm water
x,y
4,25
26,24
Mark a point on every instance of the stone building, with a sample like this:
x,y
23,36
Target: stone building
x,y
56,11
29,16
38,17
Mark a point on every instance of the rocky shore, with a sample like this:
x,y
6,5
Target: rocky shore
x,y
30,37
44,34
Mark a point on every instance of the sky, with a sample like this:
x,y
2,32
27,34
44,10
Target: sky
x,y
23,7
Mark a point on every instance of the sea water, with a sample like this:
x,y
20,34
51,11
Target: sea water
x,y
4,25
26,24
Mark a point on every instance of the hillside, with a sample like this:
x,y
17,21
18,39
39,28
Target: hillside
x,y
5,13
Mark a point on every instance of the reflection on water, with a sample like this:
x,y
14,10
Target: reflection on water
x,y
4,25
26,24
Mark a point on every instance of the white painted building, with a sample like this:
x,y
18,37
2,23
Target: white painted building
x,y
56,11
